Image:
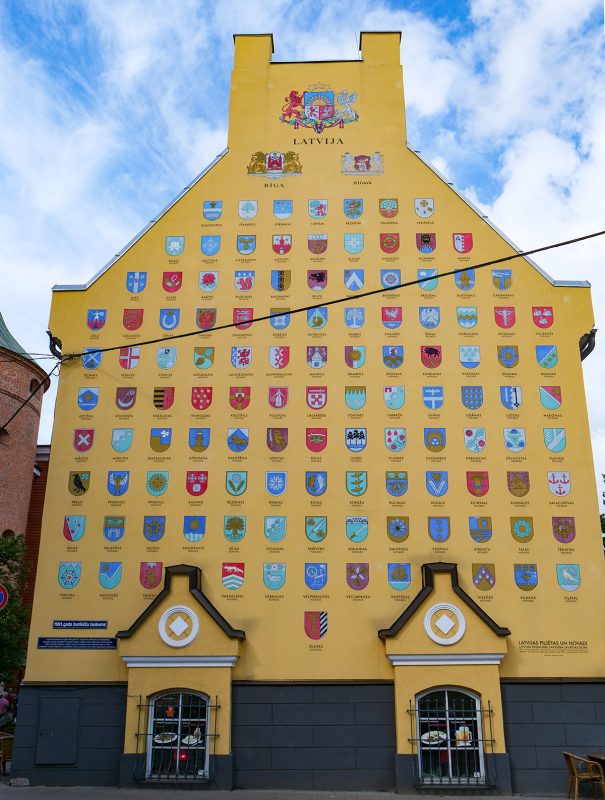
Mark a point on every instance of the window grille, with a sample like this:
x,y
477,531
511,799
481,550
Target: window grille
x,y
174,739
451,733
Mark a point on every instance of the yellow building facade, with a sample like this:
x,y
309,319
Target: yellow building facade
x,y
321,509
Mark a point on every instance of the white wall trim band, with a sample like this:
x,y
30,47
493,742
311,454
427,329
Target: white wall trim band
x,y
449,659
154,662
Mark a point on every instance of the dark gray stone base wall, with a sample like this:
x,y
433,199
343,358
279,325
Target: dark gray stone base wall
x,y
314,736
541,720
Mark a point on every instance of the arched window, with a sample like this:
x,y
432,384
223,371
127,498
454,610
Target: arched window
x,y
178,737
8,534
450,737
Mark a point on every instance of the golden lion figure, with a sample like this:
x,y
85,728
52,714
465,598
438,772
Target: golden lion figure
x,y
291,162
257,164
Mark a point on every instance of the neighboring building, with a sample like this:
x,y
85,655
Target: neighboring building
x,y
391,500
19,377
34,517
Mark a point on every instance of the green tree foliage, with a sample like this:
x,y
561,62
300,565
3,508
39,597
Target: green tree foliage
x,y
15,615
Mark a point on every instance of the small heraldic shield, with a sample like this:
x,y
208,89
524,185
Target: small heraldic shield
x,y
436,483
244,280
435,439
393,397
317,397
316,439
236,482
505,316
208,280
194,528
465,279
469,355
396,483
205,318
317,279
463,242
356,439
169,318
355,317
172,281
210,245
355,397
316,575
484,576
355,356
129,357
426,242
399,576
431,355
550,397
279,357
318,209
568,577
392,317
354,243
358,575
317,356
282,244
356,482
154,528
241,357
239,397
466,316
237,439
389,242
388,207
150,574
526,576
280,318
502,279
83,439
317,243
234,528
247,209
163,397
547,356
276,483
74,526
432,397
480,529
275,528
199,439
157,482
282,209
212,209
274,575
233,574
316,624
555,439
390,278
563,529
174,245
395,439
118,482
356,528
160,439
474,439
477,483
70,573
559,483
392,356
542,316
203,357
439,528
280,279
278,396
91,358
424,206
508,355
353,279
514,439
132,318
96,318
136,281
511,397
88,398
522,529
316,528
518,483
196,482
110,574
472,397
429,316
353,207
277,439
398,528
246,244
316,482
166,357
201,397
114,528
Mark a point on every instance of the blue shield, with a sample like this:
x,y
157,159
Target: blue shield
x,y
511,397
279,321
546,355
436,483
508,356
274,575
91,358
136,281
275,528
354,279
551,397
160,439
472,397
280,279
392,356
356,482
470,355
439,528
399,576
466,316
514,439
465,279
555,439
355,317
317,318
276,483
526,576
154,528
356,529
96,318
390,278
435,439
316,528
199,439
568,577
353,207
174,245
234,528
157,482
210,245
246,244
70,573
110,574
88,398
121,439
353,242
74,526
194,528
212,209
282,209
394,397
432,397
114,528
316,575
166,357
169,318
356,439
316,482
396,483
237,439
428,279
355,397
236,482
203,357
480,529
430,316
502,278
117,482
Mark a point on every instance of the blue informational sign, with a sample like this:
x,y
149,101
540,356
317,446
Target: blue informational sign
x,y
77,643
79,623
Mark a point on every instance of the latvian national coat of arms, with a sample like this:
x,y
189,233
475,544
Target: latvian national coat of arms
x,y
319,107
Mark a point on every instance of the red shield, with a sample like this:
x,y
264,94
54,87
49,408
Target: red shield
x,y
317,279
392,316
205,318
282,245
389,242
477,483
126,397
317,397
278,396
277,439
150,574
430,355
201,397
132,318
163,397
463,242
316,439
172,281
239,397
196,482
242,318
129,357
505,316
316,624
542,316
83,439
279,356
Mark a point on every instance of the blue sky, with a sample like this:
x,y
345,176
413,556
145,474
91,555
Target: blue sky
x,y
110,108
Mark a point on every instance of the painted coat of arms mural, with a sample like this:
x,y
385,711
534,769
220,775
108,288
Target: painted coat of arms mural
x,y
319,107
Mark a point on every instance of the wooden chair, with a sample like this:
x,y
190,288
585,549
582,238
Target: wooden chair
x,y
6,750
581,770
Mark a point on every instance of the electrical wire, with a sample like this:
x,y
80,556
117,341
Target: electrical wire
x,y
26,401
